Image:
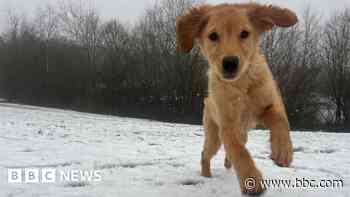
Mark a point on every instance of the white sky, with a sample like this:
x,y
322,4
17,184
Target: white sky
x,y
130,10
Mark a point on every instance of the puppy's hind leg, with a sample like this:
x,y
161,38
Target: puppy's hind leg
x,y
211,143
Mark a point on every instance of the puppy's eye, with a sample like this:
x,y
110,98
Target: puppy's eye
x,y
244,34
214,36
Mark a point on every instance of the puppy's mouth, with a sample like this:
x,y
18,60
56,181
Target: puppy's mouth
x,y
229,76
234,75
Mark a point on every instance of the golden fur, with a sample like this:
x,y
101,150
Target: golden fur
x,y
234,106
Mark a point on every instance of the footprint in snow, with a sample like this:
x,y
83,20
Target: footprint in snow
x,y
176,165
260,157
106,166
191,182
299,149
153,144
28,150
326,151
122,165
134,165
65,135
76,184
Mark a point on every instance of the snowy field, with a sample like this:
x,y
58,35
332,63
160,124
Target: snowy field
x,y
148,158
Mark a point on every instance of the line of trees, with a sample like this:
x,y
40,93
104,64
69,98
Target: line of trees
x,y
67,56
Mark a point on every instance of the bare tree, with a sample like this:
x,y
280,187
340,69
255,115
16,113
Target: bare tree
x,y
81,24
159,44
47,27
336,52
294,59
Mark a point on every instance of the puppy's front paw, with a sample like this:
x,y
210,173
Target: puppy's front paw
x,y
251,183
282,152
205,171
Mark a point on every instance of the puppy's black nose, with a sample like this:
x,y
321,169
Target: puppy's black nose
x,y
230,65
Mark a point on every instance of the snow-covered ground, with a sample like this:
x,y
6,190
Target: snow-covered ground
x,y
149,158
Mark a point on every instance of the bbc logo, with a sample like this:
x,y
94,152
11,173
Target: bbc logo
x,y
30,175
48,175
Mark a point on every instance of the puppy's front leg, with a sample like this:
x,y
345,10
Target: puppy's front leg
x,y
242,162
276,120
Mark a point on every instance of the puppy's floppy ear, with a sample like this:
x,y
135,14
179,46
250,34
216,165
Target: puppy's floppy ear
x,y
189,26
266,17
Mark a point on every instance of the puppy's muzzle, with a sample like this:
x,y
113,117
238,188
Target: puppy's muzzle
x,y
230,66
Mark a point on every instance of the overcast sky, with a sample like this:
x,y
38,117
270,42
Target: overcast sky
x,y
130,10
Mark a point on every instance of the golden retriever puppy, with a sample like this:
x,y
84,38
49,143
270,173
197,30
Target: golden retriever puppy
x,y
242,91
